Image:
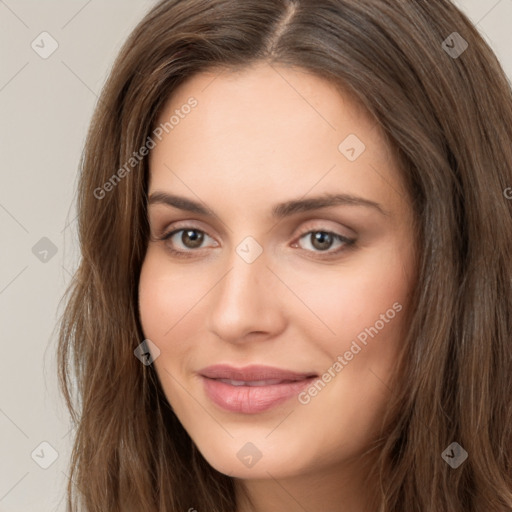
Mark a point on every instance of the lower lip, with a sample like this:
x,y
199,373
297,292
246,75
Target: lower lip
x,y
252,399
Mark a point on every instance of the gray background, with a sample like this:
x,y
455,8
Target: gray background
x,y
45,108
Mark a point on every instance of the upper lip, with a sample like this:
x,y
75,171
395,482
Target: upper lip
x,y
253,373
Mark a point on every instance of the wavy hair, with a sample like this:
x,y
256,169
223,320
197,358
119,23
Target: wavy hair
x,y
448,117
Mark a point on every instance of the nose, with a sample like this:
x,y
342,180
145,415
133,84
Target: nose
x,y
245,302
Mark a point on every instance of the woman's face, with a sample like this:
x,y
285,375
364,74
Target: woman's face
x,y
279,317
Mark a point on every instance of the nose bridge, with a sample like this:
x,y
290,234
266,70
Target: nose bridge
x,y
247,264
244,300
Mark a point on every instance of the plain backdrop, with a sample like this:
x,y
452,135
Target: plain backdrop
x,y
46,102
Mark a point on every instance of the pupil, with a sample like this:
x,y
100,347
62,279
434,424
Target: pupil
x,y
323,239
196,239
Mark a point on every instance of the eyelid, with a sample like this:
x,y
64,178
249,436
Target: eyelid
x,y
179,225
310,225
322,225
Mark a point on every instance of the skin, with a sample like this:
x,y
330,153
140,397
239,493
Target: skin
x,y
258,137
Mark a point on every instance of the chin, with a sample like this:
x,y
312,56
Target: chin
x,y
240,458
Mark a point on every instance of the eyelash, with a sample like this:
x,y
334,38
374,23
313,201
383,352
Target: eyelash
x,y
347,242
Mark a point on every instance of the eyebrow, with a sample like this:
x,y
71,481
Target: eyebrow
x,y
280,210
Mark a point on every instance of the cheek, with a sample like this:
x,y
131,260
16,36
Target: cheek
x,y
370,291
166,304
166,296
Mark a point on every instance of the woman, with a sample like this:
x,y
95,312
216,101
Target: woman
x,y
295,286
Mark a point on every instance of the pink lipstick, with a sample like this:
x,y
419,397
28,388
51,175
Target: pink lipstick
x,y
252,389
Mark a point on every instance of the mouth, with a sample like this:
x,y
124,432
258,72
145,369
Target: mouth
x,y
252,389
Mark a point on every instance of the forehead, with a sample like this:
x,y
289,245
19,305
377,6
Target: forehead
x,y
267,97
269,130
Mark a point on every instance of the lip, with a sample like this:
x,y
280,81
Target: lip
x,y
265,386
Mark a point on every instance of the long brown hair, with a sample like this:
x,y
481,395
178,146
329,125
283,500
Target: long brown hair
x,y
447,115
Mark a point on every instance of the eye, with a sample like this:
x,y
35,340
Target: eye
x,y
322,241
190,239
183,242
